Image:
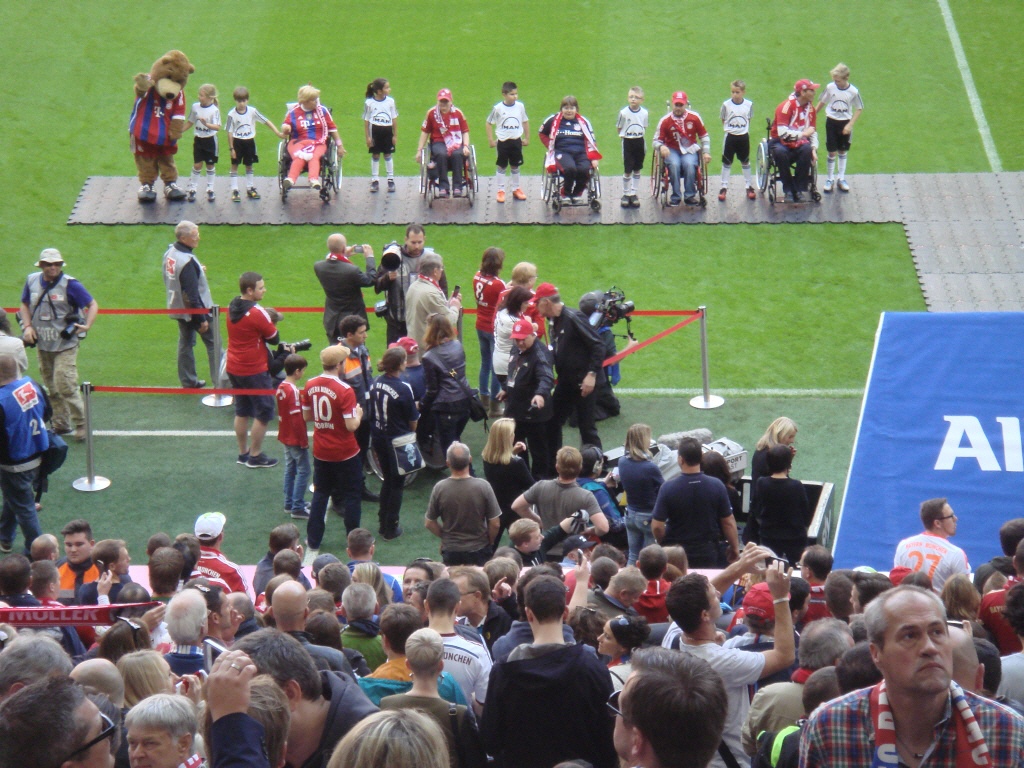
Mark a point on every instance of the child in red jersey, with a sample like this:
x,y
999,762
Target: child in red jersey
x,y
292,434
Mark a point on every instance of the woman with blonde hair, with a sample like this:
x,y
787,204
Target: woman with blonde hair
x,y
782,431
395,738
641,479
505,470
145,673
308,127
370,573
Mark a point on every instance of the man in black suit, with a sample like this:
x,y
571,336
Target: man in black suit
x,y
343,282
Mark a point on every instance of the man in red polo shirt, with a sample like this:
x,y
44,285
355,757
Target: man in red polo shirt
x,y
212,564
250,329
332,406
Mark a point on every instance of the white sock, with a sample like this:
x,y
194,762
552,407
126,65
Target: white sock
x,y
211,174
250,178
627,185
746,176
375,168
831,164
234,180
516,184
499,176
726,170
842,165
636,182
389,166
193,180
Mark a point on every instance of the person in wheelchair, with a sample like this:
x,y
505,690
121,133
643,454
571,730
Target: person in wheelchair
x,y
308,127
572,150
793,140
680,136
448,132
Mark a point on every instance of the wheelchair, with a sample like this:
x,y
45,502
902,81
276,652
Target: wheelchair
x,y
661,184
768,173
429,187
434,457
330,168
553,181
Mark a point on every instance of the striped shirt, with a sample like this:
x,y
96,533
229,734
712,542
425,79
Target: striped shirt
x,y
152,115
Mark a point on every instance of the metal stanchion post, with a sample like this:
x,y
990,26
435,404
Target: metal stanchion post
x,y
705,401
216,401
90,482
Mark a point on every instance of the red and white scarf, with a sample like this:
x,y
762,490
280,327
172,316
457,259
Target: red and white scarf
x,y
193,762
452,139
969,745
588,139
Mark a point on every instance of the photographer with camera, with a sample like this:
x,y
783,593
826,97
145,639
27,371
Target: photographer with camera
x,y
343,282
56,313
399,267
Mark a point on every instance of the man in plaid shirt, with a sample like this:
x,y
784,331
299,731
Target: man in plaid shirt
x,y
917,716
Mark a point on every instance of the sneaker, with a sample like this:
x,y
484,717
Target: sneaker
x,y
315,183
501,195
843,186
828,185
391,535
299,514
261,461
80,434
191,195
173,192
721,194
146,193
460,191
634,201
626,201
252,194
798,197
243,458
692,201
751,193
518,194
200,383
375,185
236,197
391,185
62,429
6,547
443,193
287,183
674,200
210,197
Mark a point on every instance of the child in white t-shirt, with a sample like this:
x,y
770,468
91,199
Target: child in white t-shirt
x,y
205,116
508,129
843,105
632,128
380,119
241,130
737,112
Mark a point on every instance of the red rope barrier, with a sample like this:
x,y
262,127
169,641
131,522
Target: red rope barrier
x,y
369,310
656,337
184,391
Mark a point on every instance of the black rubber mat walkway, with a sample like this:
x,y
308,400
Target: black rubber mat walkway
x,y
966,231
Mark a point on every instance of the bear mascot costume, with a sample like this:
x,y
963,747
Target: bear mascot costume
x,y
157,122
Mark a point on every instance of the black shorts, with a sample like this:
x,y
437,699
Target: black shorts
x,y
633,153
204,150
738,147
835,140
383,137
259,407
510,152
245,152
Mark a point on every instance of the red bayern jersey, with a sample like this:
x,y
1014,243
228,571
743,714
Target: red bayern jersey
x,y
791,114
313,126
487,290
816,606
291,429
328,401
991,614
456,123
247,352
152,115
681,132
220,571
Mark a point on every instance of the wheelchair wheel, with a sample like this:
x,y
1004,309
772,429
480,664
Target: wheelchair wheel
x,y
433,454
470,179
374,462
702,182
283,161
763,165
424,179
815,194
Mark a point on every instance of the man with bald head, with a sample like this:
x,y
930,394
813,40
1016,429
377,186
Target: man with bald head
x,y
185,281
290,609
102,675
918,714
343,282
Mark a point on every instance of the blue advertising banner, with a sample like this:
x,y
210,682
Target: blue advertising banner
x,y
941,417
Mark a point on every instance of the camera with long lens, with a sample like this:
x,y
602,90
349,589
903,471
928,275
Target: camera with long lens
x,y
21,324
300,346
70,321
606,308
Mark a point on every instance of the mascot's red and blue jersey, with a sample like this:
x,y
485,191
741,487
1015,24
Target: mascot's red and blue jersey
x,y
151,117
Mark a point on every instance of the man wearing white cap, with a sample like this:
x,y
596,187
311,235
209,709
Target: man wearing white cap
x,y
212,564
56,313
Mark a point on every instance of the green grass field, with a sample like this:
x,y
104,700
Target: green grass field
x,y
790,306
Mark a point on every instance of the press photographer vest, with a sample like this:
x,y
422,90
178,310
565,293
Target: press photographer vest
x,y
174,261
24,428
49,310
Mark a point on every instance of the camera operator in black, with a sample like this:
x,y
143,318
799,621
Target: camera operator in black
x,y
578,357
526,393
396,275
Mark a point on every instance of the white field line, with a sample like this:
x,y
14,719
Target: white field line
x,y
972,92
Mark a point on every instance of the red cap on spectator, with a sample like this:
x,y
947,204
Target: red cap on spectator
x,y
545,291
758,602
523,328
898,574
407,343
805,83
679,97
445,94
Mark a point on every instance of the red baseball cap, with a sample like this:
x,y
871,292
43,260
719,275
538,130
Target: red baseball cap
x,y
545,291
445,94
805,83
758,602
679,97
407,343
523,328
